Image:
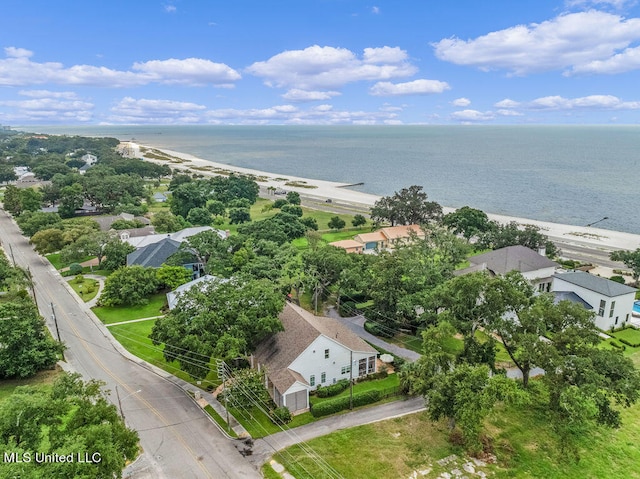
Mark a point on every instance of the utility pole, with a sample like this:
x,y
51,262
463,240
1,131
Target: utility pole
x,y
13,258
33,289
55,321
119,403
222,374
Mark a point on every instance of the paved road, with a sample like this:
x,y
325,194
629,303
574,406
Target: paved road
x,y
263,449
178,439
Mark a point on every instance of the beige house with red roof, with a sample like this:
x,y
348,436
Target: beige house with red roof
x,y
385,238
311,351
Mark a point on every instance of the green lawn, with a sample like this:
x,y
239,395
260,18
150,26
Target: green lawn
x,y
629,334
81,288
522,438
7,386
54,259
115,314
135,339
388,383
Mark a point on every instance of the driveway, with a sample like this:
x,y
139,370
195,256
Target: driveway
x,y
356,324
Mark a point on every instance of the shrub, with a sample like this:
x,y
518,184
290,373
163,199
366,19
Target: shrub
x,y
617,279
377,330
280,202
629,343
620,347
333,389
347,308
79,279
336,405
75,268
281,415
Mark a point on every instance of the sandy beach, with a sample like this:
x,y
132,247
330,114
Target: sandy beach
x,y
599,239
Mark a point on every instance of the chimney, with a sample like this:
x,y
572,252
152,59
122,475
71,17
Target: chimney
x,y
542,250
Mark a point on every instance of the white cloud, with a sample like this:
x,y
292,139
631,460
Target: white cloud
x,y
472,116
461,102
509,113
568,41
594,102
375,10
170,8
190,71
18,70
295,94
68,95
131,110
324,68
13,52
53,109
507,103
625,61
416,87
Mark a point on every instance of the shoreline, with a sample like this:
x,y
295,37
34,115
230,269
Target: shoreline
x,y
580,236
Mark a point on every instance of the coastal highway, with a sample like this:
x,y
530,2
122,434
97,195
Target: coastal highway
x,y
178,440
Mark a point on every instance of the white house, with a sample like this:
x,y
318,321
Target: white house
x,y
312,351
174,296
536,268
612,302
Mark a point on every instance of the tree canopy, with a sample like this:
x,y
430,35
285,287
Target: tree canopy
x,y
225,319
71,417
405,207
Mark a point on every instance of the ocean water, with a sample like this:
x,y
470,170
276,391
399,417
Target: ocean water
x,y
565,174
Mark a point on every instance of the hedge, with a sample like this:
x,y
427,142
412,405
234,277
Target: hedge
x,y
333,389
340,404
629,343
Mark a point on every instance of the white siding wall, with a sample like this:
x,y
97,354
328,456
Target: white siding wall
x,y
313,362
623,306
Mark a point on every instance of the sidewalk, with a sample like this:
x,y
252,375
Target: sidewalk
x,y
264,448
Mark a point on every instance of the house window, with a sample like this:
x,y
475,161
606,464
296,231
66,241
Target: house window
x,y
323,378
345,369
371,367
326,354
613,305
626,320
312,380
616,320
603,306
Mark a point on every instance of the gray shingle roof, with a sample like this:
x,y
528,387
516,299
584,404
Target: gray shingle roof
x,y
570,296
301,328
598,284
518,258
153,255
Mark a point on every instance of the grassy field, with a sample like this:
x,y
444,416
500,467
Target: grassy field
x,y
81,288
116,314
522,438
135,338
7,386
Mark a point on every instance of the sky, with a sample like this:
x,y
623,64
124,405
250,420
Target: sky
x,y
320,62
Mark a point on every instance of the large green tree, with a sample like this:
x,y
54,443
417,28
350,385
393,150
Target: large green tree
x,y
468,222
405,207
131,285
71,199
115,253
224,319
27,346
70,417
631,259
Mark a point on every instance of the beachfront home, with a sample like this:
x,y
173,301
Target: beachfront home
x,y
612,302
388,238
350,246
535,267
311,351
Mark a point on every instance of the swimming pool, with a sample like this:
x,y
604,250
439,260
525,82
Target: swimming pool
x,y
636,308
